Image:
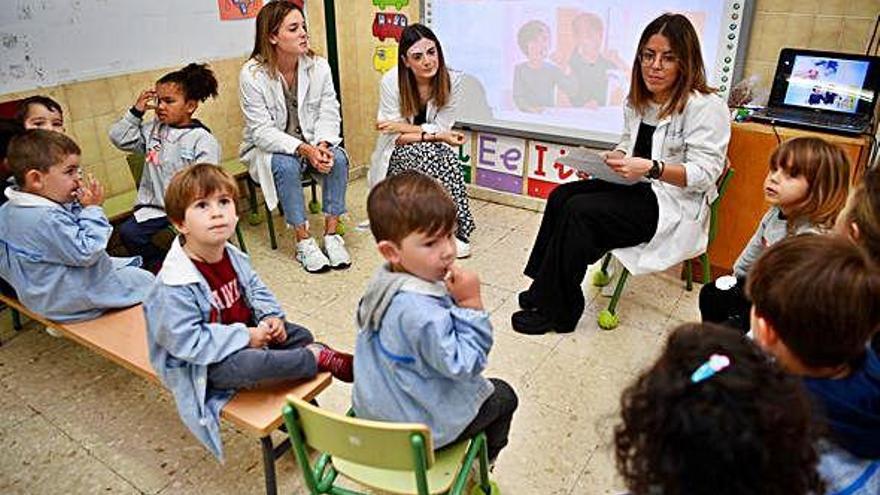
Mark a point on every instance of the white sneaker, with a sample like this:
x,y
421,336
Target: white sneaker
x,y
336,252
462,249
309,254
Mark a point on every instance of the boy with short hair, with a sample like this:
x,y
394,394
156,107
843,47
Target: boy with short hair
x,y
212,325
54,235
816,303
423,335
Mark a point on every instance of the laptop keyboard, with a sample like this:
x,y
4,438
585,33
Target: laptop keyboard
x,y
846,121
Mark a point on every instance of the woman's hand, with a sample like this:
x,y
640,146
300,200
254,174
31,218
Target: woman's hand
x,y
630,168
321,158
616,154
452,138
394,127
146,100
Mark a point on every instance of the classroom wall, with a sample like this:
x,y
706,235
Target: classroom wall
x,y
91,106
358,78
836,25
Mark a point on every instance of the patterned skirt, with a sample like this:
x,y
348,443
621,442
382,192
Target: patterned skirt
x,y
439,161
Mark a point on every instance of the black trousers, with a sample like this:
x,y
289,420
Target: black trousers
x,y
494,418
727,307
583,221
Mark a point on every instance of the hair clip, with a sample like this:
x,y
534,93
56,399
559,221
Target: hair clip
x,y
714,364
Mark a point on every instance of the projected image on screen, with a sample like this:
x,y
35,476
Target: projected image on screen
x,y
557,65
826,83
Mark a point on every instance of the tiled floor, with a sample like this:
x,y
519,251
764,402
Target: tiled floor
x,y
72,422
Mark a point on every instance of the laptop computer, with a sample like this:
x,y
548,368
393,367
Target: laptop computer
x,y
827,91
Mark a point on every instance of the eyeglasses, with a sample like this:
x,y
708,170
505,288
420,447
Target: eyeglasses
x,y
647,58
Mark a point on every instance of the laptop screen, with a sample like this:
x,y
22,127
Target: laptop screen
x,y
827,83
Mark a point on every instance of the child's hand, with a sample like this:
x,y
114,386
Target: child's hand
x,y
145,100
275,325
259,336
91,192
464,287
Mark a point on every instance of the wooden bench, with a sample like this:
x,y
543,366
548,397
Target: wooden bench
x,y
120,336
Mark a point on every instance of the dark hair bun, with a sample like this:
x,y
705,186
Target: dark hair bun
x,y
197,81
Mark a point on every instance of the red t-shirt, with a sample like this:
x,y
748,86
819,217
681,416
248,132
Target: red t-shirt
x,y
226,292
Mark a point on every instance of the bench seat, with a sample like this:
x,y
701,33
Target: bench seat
x,y
120,336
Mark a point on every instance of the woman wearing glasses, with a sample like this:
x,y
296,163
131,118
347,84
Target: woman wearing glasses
x,y
672,152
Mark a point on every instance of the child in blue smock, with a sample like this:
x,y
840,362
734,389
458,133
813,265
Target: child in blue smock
x,y
53,235
212,325
423,335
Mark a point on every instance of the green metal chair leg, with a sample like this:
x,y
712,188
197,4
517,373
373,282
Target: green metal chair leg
x,y
314,205
608,318
688,276
601,278
272,241
707,270
240,238
254,216
16,319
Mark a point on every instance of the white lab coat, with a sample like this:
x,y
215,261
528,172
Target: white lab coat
x,y
436,119
265,116
696,138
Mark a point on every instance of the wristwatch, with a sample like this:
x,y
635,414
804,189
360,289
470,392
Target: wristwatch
x,y
656,170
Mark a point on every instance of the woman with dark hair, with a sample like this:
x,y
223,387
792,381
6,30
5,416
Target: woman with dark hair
x,y
417,108
291,127
670,156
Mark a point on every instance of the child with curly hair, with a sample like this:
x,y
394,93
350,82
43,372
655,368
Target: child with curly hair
x,y
713,415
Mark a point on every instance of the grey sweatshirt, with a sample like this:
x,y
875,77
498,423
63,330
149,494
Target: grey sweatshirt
x,y
166,149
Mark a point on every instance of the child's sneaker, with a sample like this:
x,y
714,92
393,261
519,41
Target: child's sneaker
x,y
309,254
336,252
339,364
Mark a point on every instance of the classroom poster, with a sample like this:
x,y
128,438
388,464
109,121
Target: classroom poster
x,y
545,173
233,10
500,162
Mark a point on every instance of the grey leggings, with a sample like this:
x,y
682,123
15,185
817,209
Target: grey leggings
x,y
250,367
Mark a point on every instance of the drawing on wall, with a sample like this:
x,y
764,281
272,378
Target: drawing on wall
x,y
233,10
397,4
389,25
384,58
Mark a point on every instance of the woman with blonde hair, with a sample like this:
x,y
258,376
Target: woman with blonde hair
x,y
417,107
671,154
292,127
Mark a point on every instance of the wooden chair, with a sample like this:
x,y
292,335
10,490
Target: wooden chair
x,y
388,457
608,318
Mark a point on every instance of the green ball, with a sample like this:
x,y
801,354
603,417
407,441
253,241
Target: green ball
x,y
494,490
607,320
255,218
601,279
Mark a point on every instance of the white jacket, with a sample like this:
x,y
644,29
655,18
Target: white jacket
x,y
436,119
696,138
265,116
